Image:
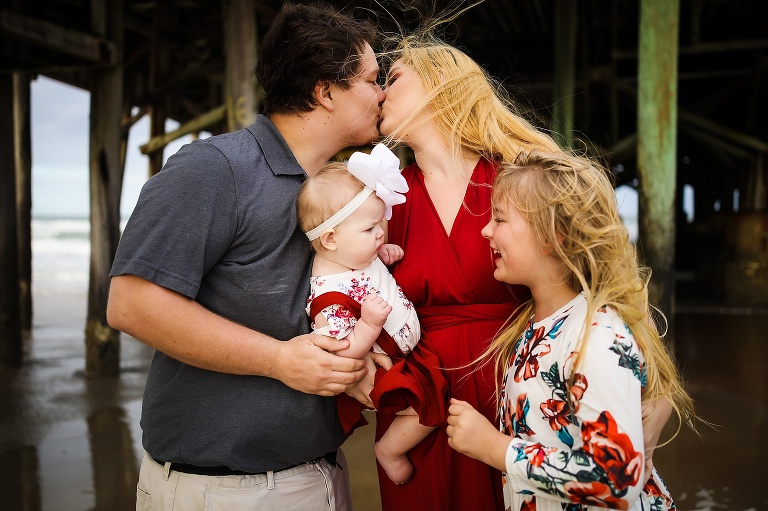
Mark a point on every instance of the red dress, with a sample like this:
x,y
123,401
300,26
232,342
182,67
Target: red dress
x,y
461,307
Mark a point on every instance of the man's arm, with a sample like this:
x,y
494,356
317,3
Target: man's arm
x,y
187,331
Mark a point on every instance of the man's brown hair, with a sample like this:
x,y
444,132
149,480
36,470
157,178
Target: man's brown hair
x,y
307,44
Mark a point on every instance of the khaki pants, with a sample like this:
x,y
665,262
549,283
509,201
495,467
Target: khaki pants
x,y
312,487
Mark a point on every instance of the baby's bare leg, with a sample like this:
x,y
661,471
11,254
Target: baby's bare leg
x,y
403,434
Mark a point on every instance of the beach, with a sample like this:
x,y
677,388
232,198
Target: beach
x,y
71,443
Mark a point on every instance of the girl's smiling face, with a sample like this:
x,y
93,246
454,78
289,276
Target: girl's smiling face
x,y
517,254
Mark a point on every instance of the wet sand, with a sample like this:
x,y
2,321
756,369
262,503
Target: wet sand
x,y
71,443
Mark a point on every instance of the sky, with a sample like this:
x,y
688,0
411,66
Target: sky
x,y
60,155
60,152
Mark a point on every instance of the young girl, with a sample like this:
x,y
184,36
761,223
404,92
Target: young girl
x,y
353,296
580,356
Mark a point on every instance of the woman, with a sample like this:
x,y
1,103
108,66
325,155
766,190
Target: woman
x,y
459,125
449,112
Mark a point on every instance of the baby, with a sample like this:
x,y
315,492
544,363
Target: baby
x,y
354,296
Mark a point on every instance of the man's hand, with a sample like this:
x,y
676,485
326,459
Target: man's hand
x,y
307,363
655,416
390,253
374,310
362,390
470,433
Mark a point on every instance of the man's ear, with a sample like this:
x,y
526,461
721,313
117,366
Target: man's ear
x,y
322,94
328,240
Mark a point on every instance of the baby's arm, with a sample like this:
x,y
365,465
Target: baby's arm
x,y
373,315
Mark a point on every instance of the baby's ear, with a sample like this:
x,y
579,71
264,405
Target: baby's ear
x,y
328,239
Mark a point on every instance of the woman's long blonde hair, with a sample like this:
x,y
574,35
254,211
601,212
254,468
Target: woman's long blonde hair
x,y
469,108
570,205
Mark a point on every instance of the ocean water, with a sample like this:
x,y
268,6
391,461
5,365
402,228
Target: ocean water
x,y
61,250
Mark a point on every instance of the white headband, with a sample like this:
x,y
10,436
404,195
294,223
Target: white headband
x,y
341,214
379,172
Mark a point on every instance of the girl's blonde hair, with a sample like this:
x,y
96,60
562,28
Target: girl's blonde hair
x,y
469,108
570,205
323,194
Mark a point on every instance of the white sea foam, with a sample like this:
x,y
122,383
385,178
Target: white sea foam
x,y
60,254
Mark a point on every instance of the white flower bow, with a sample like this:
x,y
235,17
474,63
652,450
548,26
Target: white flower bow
x,y
380,171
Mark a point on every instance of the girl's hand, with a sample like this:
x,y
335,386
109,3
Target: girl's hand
x,y
470,433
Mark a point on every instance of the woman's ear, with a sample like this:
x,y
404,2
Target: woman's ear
x,y
322,94
327,239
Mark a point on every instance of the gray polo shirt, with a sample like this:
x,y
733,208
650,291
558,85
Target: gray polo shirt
x,y
218,224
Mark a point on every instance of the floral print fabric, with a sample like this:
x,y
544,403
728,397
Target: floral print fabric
x,y
578,442
402,323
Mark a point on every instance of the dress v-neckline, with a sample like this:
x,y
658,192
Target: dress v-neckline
x,y
462,206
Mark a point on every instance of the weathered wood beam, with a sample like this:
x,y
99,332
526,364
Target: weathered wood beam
x,y
133,119
700,48
240,50
564,72
502,22
22,148
707,138
10,327
541,16
102,342
88,47
736,137
159,70
194,126
657,144
612,73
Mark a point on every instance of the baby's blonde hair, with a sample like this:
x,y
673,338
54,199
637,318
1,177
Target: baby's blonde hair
x,y
570,205
323,194
469,108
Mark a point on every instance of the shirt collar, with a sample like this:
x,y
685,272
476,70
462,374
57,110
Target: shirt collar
x,y
274,147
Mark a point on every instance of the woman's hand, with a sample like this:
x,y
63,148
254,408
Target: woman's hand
x,y
470,433
362,390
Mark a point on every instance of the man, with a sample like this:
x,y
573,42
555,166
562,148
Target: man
x,y
213,272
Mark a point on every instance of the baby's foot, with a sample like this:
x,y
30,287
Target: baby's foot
x,y
398,468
